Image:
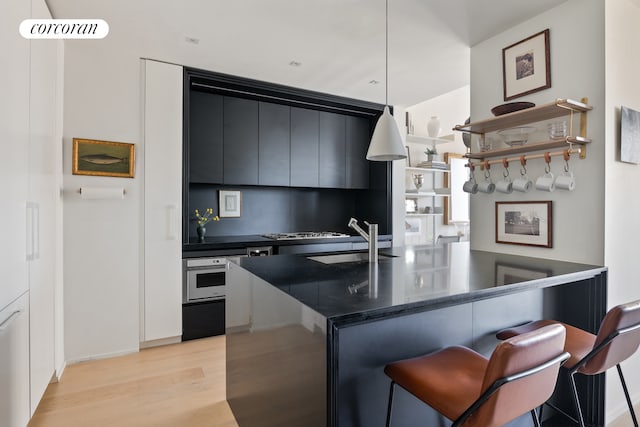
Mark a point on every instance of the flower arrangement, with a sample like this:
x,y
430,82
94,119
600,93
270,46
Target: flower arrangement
x,y
206,217
431,151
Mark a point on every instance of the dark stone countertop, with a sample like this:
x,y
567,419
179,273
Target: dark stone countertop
x,y
240,243
417,277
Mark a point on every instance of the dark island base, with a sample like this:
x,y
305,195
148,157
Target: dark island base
x,y
358,353
269,382
296,367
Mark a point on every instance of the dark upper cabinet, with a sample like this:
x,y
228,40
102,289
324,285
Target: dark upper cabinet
x,y
332,150
240,138
205,138
304,147
358,138
238,141
274,144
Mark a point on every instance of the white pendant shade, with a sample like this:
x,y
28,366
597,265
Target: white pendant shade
x,y
386,142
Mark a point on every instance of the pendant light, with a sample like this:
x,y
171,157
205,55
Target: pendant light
x,y
386,143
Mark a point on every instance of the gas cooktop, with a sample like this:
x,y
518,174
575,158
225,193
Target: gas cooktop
x,y
305,235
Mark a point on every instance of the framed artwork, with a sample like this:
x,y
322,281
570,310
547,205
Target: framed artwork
x,y
629,136
524,223
526,66
507,274
230,204
412,225
103,158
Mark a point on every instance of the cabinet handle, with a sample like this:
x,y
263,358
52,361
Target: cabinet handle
x,y
5,325
36,231
29,234
33,231
172,213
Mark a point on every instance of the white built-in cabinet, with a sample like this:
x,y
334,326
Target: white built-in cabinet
x,y
44,172
30,171
162,300
14,161
14,363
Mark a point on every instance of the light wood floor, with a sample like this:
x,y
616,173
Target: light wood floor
x,y
176,385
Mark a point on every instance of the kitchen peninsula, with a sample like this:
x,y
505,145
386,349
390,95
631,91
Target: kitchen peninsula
x,y
308,336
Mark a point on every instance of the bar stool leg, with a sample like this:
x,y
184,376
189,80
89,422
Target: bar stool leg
x,y
626,394
572,381
536,421
391,387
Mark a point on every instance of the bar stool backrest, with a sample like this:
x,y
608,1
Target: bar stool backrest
x,y
621,329
512,357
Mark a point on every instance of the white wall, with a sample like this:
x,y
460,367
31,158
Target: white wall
x,y
622,216
101,237
577,70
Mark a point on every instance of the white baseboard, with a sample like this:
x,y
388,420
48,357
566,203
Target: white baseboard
x,y
160,342
102,356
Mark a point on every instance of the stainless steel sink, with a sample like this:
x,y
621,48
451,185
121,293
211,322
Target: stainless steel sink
x,y
346,258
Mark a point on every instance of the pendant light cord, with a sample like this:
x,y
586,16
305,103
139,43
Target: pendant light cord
x,y
386,53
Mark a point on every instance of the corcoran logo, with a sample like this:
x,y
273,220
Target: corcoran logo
x,y
64,29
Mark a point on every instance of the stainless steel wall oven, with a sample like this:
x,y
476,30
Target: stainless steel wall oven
x,y
203,293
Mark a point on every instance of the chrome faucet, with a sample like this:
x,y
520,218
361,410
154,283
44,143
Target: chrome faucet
x,y
371,238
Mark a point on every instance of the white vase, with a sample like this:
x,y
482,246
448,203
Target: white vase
x,y
433,127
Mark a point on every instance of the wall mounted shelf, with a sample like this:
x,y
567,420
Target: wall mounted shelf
x,y
425,170
425,194
526,148
426,140
552,110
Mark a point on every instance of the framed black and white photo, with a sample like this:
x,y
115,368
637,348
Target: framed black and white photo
x,y
526,66
230,204
524,223
630,135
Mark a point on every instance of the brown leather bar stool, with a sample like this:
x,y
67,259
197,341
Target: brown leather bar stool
x,y
465,387
617,339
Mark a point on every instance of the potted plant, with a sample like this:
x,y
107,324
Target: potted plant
x,y
431,152
202,220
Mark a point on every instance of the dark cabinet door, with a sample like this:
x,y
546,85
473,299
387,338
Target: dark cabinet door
x,y
358,137
240,141
332,150
205,138
274,144
304,147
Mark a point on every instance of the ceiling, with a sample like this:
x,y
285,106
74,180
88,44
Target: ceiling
x,y
339,44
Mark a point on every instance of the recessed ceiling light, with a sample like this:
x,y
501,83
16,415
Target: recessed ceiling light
x,y
295,63
374,82
191,40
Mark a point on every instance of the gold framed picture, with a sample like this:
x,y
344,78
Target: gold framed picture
x,y
103,158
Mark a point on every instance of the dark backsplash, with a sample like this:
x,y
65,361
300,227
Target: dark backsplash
x,y
284,209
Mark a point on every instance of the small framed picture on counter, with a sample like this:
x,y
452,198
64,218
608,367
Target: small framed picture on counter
x,y
524,223
230,204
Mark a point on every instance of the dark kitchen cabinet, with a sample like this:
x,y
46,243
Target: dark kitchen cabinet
x,y
358,135
332,148
304,147
240,138
274,144
205,138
